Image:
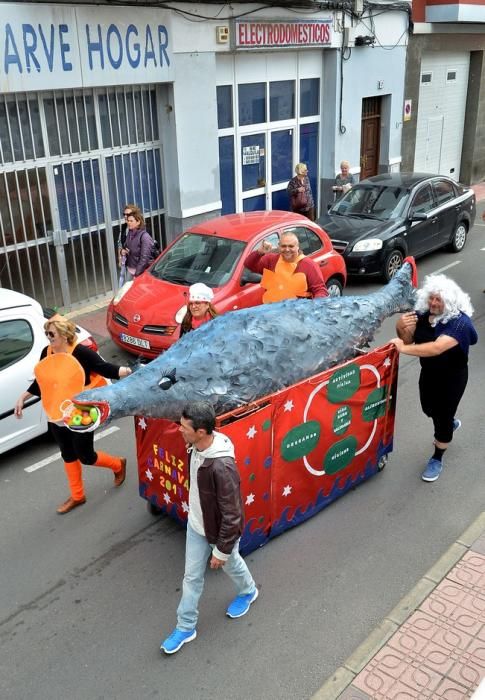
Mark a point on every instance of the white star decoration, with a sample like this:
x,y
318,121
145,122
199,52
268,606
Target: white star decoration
x,y
387,362
149,475
185,506
289,405
142,423
167,498
250,499
251,432
287,490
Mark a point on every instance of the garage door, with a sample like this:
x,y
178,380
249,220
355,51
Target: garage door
x,y
441,115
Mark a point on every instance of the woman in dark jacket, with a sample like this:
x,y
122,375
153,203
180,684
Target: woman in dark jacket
x,y
300,193
138,246
75,447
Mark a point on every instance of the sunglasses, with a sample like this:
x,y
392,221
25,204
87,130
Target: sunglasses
x,y
127,213
50,334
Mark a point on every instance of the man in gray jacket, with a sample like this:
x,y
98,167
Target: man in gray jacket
x,y
214,525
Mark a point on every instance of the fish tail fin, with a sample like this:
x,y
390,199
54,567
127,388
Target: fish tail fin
x,y
412,262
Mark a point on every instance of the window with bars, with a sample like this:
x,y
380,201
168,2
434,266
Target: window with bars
x,y
128,116
78,188
71,124
135,177
20,130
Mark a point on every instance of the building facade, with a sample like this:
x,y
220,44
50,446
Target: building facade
x,y
184,115
444,131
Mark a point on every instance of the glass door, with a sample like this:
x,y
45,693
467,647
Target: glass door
x,y
281,167
253,172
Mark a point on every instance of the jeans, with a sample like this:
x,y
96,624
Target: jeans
x,y
197,552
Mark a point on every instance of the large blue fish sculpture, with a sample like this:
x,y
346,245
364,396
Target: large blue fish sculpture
x,y
244,355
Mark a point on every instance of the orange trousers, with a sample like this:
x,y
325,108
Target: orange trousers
x,y
75,477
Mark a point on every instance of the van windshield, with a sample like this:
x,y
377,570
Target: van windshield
x,y
197,257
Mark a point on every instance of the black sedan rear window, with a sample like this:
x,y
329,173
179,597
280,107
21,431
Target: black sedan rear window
x,y
199,258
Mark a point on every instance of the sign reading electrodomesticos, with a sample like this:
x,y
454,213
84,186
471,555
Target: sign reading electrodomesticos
x,y
282,33
45,47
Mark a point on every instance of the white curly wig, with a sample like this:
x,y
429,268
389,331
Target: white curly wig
x,y
454,298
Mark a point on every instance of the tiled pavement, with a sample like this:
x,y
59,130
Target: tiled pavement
x,y
432,645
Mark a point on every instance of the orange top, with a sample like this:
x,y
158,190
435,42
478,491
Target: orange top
x,y
284,282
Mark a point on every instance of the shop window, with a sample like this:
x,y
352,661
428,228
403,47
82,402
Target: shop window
x,y
252,103
16,341
281,100
281,156
253,159
226,174
224,107
78,188
128,116
28,215
309,97
71,124
135,177
20,130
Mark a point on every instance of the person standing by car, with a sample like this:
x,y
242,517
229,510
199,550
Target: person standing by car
x,y
439,332
199,309
286,264
75,447
215,522
343,180
138,246
300,193
128,210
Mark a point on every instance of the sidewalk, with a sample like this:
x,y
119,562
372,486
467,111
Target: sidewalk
x,y
432,645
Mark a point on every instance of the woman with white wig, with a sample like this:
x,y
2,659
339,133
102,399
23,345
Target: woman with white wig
x,y
439,331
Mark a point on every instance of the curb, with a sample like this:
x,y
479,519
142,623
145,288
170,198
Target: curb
x,y
345,674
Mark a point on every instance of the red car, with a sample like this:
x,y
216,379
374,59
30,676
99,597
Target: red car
x,y
141,317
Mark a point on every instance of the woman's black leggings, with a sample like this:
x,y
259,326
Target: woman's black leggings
x,y
73,445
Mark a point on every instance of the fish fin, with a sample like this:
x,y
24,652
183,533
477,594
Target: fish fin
x,y
412,262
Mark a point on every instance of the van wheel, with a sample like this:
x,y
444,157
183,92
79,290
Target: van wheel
x,y
153,509
392,264
459,237
334,287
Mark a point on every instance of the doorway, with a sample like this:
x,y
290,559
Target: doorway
x,y
370,137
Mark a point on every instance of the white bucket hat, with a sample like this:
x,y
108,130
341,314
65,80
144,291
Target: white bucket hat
x,y
200,292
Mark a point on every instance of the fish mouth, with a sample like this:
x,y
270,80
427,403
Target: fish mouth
x,y
102,406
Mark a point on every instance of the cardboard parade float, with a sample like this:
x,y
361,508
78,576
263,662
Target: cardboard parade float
x,y
310,413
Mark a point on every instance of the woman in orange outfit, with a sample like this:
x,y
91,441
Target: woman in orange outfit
x,y
75,447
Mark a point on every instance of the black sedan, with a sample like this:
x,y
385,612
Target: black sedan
x,y
386,217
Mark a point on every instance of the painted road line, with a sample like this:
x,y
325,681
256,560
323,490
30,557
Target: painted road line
x,y
57,455
447,267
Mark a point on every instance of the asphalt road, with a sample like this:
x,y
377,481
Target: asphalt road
x,y
86,598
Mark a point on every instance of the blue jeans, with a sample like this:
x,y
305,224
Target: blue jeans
x,y
197,552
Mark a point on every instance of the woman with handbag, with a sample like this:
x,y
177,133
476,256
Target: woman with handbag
x,y
300,193
66,368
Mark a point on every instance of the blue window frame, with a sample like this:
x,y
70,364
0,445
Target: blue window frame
x,y
135,177
226,170
79,198
309,97
309,155
252,103
281,155
224,107
282,100
253,164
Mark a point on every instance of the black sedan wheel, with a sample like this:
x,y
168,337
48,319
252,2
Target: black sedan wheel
x,y
392,264
459,237
334,287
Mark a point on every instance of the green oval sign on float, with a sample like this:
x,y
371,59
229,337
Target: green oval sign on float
x,y
343,384
300,441
342,420
340,455
375,406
